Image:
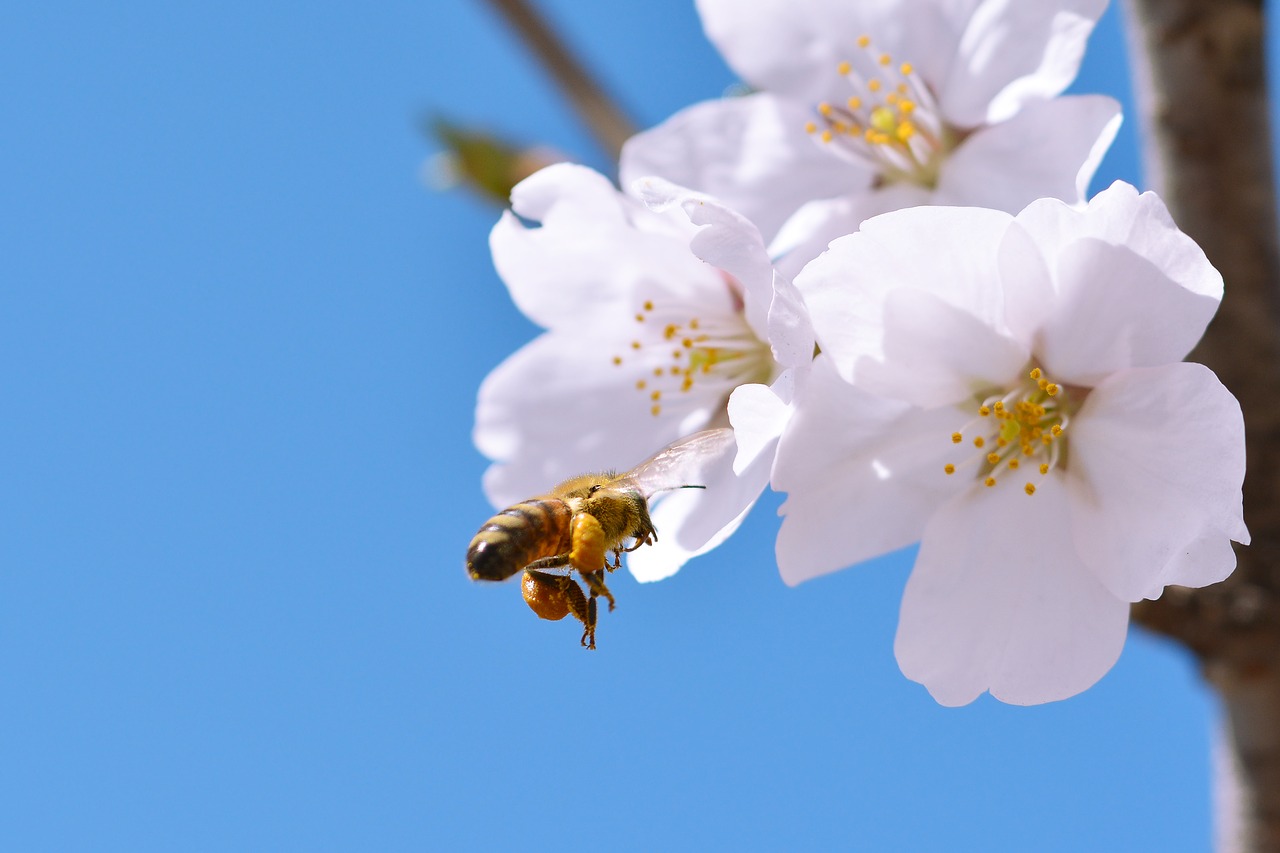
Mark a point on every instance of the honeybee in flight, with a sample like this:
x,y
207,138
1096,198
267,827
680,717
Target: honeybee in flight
x,y
576,525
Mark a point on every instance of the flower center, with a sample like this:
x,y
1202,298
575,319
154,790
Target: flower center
x,y
889,122
680,361
1024,429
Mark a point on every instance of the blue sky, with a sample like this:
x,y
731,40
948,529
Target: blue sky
x,y
242,341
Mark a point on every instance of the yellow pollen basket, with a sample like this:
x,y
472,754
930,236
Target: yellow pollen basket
x,y
1025,424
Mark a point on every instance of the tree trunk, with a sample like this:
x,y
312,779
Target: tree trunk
x,y
1202,91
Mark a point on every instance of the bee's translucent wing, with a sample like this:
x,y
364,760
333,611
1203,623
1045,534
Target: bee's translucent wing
x,y
680,464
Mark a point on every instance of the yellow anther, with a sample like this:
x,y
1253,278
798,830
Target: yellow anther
x,y
1013,464
1035,373
906,130
854,102
874,85
1051,390
1030,488
635,345
1056,429
675,371
639,318
984,411
826,136
656,395
993,457
843,68
885,59
825,109
989,482
810,127
907,107
949,468
956,438
617,360
1042,384
693,324
687,343
863,41
978,442
640,385
655,410
648,305
1044,467
670,331
657,371
687,383
999,406
905,69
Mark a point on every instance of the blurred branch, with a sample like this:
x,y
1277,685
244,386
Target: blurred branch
x,y
602,116
1200,70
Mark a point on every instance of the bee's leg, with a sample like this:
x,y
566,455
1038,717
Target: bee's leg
x,y
589,624
595,583
559,561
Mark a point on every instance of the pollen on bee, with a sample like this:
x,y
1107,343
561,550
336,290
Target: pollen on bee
x,y
1029,488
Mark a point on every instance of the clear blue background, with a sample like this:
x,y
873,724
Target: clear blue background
x,y
241,341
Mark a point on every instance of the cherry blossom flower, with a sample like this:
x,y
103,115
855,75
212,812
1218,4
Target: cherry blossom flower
x,y
1009,391
655,310
867,107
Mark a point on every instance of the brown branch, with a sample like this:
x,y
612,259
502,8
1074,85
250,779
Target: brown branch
x,y
1202,89
597,110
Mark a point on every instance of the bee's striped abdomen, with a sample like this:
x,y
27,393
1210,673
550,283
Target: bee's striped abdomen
x,y
518,536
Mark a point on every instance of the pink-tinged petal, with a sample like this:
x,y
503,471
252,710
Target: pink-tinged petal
x,y
998,601
1120,216
1156,465
912,306
726,240
1014,52
526,402
1049,149
752,153
862,475
1148,319
693,521
593,252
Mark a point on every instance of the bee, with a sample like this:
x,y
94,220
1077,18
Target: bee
x,y
579,523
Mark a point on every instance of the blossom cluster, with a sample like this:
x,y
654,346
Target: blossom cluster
x,y
882,270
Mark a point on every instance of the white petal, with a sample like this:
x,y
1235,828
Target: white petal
x,y
998,601
594,252
912,306
726,240
1120,216
1156,465
693,521
558,407
862,475
1013,52
758,414
1147,320
752,153
808,233
1049,149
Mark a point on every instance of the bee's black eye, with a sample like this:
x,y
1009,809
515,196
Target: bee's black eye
x,y
593,489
